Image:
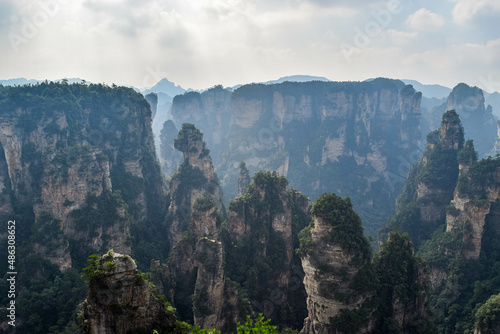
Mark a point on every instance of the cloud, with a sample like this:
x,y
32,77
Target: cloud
x,y
401,37
466,11
425,20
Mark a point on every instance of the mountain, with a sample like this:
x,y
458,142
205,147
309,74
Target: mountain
x,y
353,138
289,78
450,208
349,293
165,91
166,87
493,99
478,120
78,172
429,91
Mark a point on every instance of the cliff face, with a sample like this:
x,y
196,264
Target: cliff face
x,y
65,146
260,247
195,221
346,293
121,301
431,182
478,122
475,203
210,112
170,158
334,266
352,138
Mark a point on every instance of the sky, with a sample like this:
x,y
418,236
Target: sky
x,y
201,43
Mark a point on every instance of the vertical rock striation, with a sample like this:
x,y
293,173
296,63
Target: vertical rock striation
x,y
336,261
120,301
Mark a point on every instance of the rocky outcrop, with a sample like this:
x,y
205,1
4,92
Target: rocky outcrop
x,y
195,266
402,288
243,178
152,99
335,257
260,247
210,112
478,121
349,137
62,149
431,182
121,301
194,189
475,202
210,300
170,158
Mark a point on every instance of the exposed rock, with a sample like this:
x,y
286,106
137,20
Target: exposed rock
x,y
350,137
195,217
431,182
215,301
62,152
478,121
475,201
243,178
332,267
170,158
120,301
262,228
152,99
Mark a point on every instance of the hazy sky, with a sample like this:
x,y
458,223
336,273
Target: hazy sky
x,y
201,43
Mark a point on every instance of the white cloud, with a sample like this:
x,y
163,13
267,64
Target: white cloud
x,y
425,20
401,37
468,10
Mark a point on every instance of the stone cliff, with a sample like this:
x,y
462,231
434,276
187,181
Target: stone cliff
x,y
346,292
475,203
260,245
194,279
349,137
210,112
336,261
478,121
431,182
121,301
67,146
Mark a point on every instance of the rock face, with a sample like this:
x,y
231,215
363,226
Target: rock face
x,y
260,247
431,182
475,203
402,288
195,266
64,146
120,301
243,178
152,99
334,267
170,158
478,121
210,112
348,137
346,293
194,189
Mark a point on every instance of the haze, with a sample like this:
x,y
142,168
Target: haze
x,y
199,44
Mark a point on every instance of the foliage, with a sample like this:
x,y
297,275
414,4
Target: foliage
x,y
188,134
467,155
256,259
348,228
397,271
261,326
488,316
